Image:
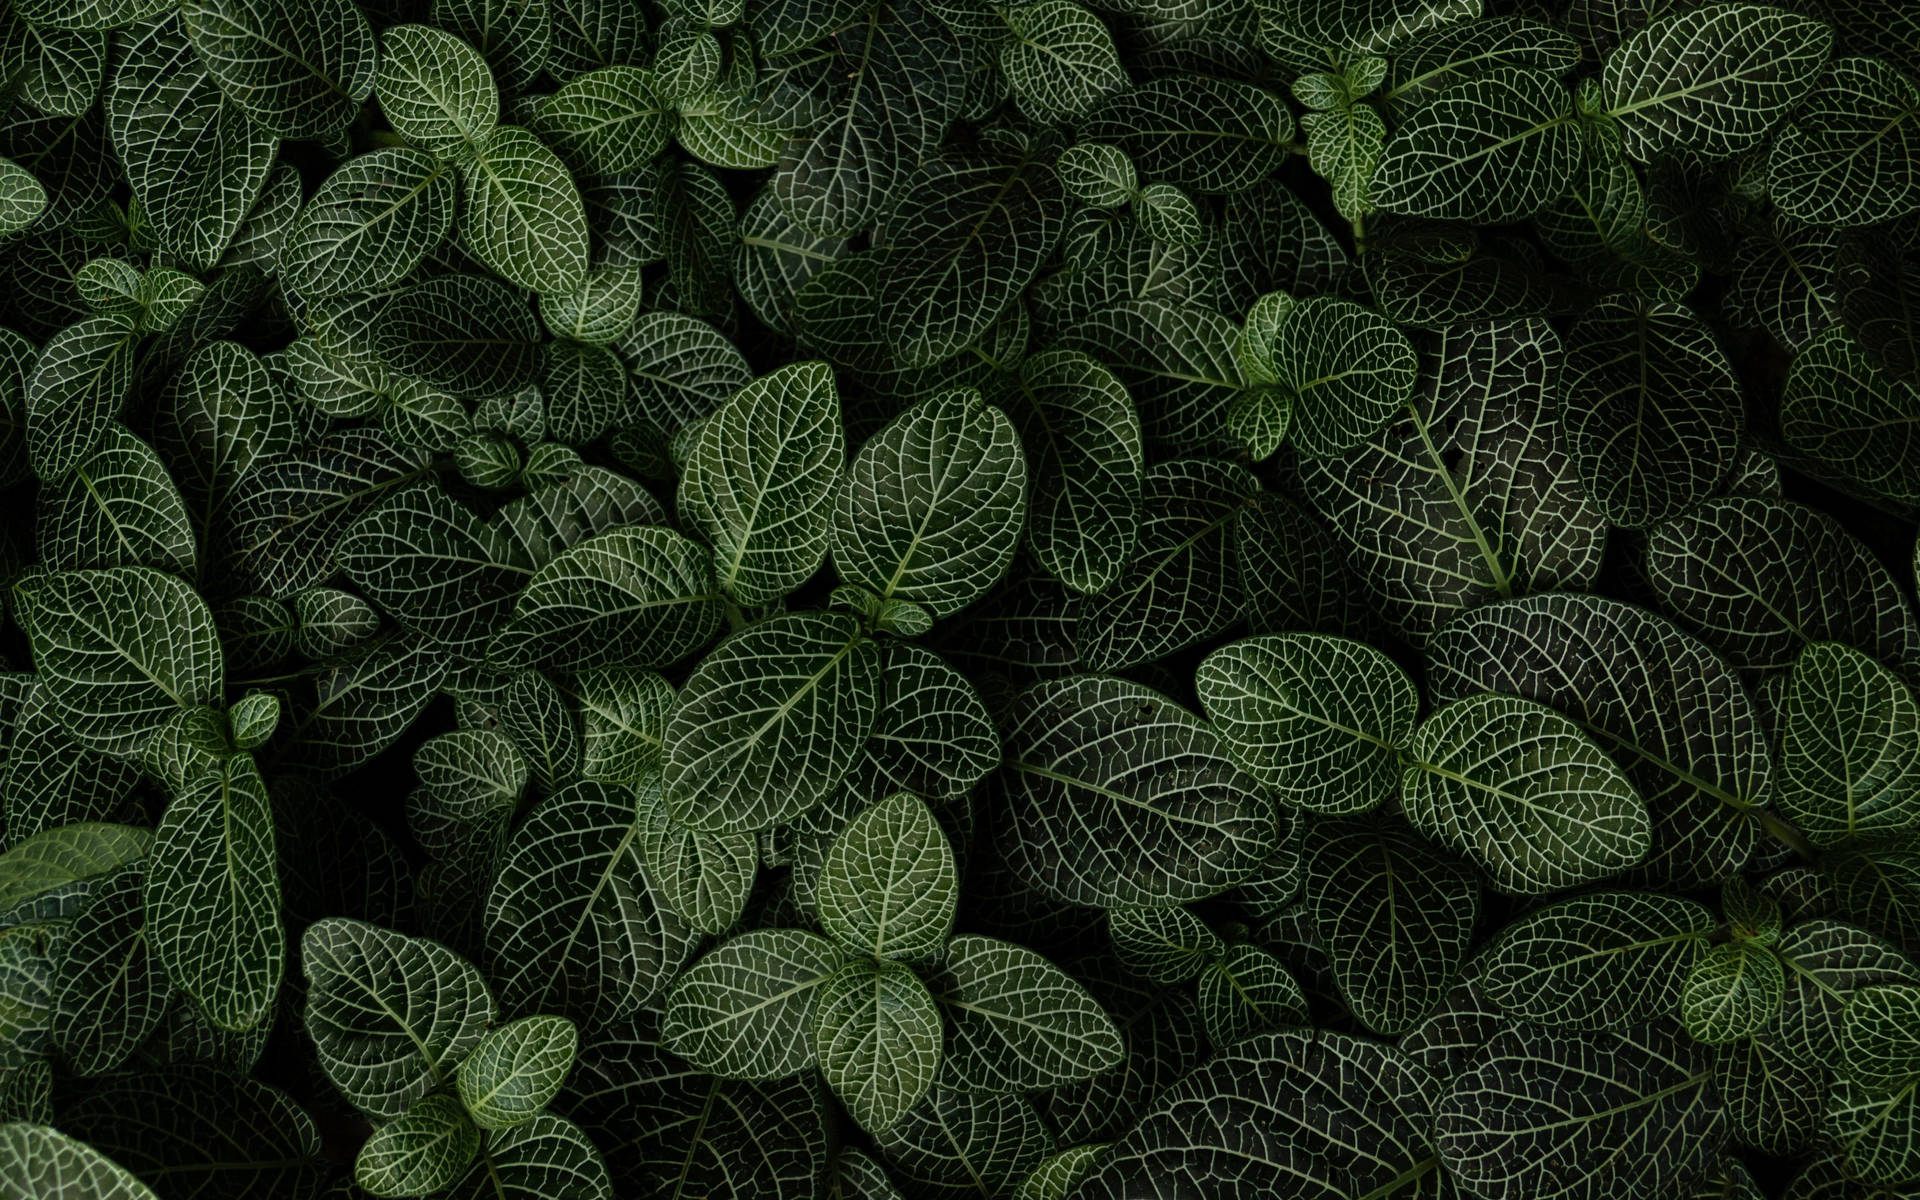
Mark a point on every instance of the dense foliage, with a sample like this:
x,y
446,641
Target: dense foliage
x,y
1078,600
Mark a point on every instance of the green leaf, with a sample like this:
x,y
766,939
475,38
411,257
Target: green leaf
x,y
933,736
547,1156
300,69
1877,1133
1320,720
1344,147
1178,820
1247,991
1195,131
69,854
877,1034
1085,463
391,1016
1712,80
1604,960
606,122
221,413
520,214
761,478
1394,918
116,508
111,993
433,566
1857,420
1292,1109
1849,732
1880,1035
195,160
770,722
1165,945
1846,157
1348,369
625,714
1733,991
1470,495
705,878
902,86
37,1162
965,238
958,1141
1653,410
1610,1114
1757,578
289,511
22,198
436,90
889,887
1492,149
1060,61
594,313
637,595
1664,706
746,1009
1523,792
1826,961
681,368
213,896
1016,1022
79,383
572,919
419,1153
932,507
516,1070
1183,585
119,650
370,223
1176,359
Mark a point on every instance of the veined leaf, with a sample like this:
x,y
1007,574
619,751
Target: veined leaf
x,y
1470,495
119,650
1179,820
1016,1022
637,595
1880,1036
932,508
1847,156
36,1161
1194,131
1060,61
705,878
572,920
1347,368
606,122
1664,706
112,992
298,69
521,215
436,90
1544,1113
1653,410
547,1156
1860,422
117,507
1395,918
1342,1115
195,160
1603,960
391,1016
770,722
761,479
888,887
66,855
516,1069
877,1033
1520,790
78,385
1849,733
1491,149
746,1009
213,895
1165,945
418,1153
1733,991
1320,720
1713,80
962,242
369,225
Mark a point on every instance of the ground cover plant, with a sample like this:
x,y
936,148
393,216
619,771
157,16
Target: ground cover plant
x,y
1127,600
